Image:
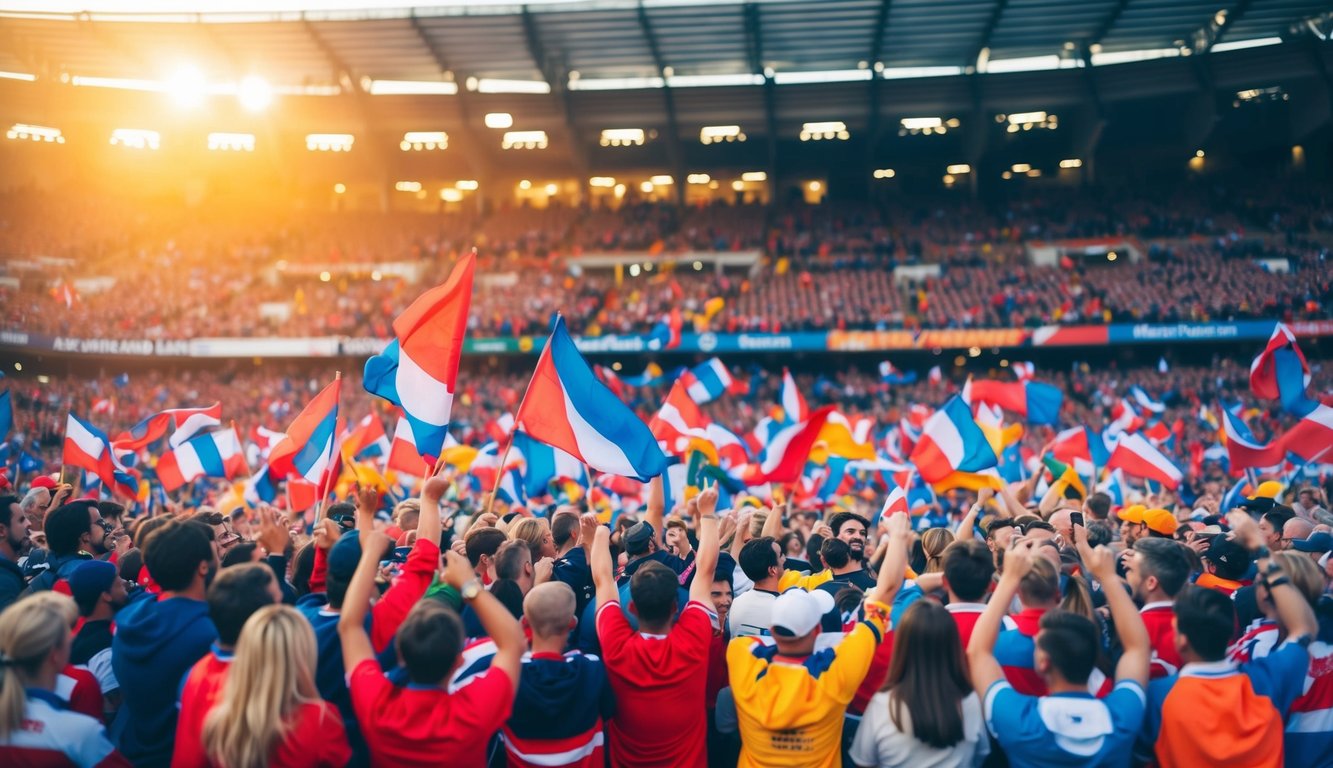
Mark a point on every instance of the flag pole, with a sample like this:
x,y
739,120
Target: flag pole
x,y
500,470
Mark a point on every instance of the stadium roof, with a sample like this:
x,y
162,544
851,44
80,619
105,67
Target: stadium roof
x,y
669,67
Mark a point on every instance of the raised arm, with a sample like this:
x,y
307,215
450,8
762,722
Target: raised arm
x,y
352,622
1293,612
967,525
705,562
984,668
603,574
773,525
429,525
1137,654
1012,507
500,625
656,508
895,560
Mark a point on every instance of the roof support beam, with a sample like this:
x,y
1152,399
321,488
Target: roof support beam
x,y
669,102
754,41
984,42
876,127
555,77
478,154
1233,16
1108,23
347,80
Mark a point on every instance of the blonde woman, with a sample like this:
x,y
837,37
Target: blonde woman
x,y
933,543
270,713
35,726
536,533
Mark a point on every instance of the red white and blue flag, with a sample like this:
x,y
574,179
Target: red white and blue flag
x,y
403,454
367,440
185,423
418,371
783,457
1311,438
310,449
952,442
1244,450
1140,458
1267,378
794,409
1035,401
216,454
88,448
678,420
707,381
568,408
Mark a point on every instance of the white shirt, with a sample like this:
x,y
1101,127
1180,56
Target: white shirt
x,y
752,614
880,743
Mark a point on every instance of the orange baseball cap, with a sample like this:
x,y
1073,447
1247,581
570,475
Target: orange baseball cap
x,y
1133,513
1161,521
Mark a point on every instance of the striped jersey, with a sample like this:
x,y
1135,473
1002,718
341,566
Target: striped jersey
x,y
52,736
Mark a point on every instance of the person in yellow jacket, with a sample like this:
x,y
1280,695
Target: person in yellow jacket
x,y
790,699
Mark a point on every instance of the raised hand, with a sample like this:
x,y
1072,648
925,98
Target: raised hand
x,y
708,501
588,525
274,535
326,534
542,570
457,570
1245,530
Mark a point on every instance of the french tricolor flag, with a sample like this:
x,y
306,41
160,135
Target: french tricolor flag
x,y
1145,401
216,454
88,448
678,420
1311,438
310,449
566,407
187,422
784,457
418,371
794,409
1267,378
952,442
1244,450
707,381
1138,457
1036,401
367,439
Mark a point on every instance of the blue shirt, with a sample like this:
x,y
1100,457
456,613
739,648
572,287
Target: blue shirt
x,y
1074,729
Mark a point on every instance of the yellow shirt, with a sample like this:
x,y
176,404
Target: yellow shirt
x,y
791,710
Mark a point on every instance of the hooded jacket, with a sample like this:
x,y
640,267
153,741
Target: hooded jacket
x,y
156,643
559,710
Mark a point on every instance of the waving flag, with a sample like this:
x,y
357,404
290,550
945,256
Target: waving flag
x,y
1311,438
566,407
216,454
310,449
1036,401
731,451
403,454
1140,458
6,414
666,334
185,423
889,374
1145,401
1023,371
785,454
1264,373
1124,419
367,439
895,503
418,371
652,373
678,420
848,438
794,409
88,448
545,464
935,376
952,442
1081,447
707,381
1243,450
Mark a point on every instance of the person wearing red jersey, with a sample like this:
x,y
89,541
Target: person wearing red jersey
x,y
422,723
233,597
1156,570
658,674
269,714
968,571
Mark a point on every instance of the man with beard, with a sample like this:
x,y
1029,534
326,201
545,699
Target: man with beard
x,y
1156,570
160,637
14,540
74,533
851,529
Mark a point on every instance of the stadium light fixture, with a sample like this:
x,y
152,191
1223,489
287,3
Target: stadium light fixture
x,y
451,195
254,93
619,191
231,142
551,189
1020,167
662,181
329,142
824,76
815,186
35,133
524,140
118,83
1030,64
418,141
408,186
136,138
646,187
623,137
412,88
1100,59
605,182
738,185
187,87
885,173
713,81
525,184
1026,121
710,134
467,185
1237,45
921,123
754,176
615,83
499,120
1072,162
909,73
697,178
957,169
824,130
339,188
24,76
1034,173
493,85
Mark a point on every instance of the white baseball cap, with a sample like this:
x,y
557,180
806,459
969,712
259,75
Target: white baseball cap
x,y
797,612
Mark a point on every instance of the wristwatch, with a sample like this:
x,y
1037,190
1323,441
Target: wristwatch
x,y
471,589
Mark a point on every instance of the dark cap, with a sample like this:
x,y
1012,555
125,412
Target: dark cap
x,y
344,555
1317,542
1227,552
638,536
91,578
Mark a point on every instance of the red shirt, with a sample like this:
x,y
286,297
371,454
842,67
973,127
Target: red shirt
x,y
410,586
79,687
660,717
202,689
1157,617
317,739
429,726
965,615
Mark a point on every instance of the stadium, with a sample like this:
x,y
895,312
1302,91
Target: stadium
x,y
855,256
